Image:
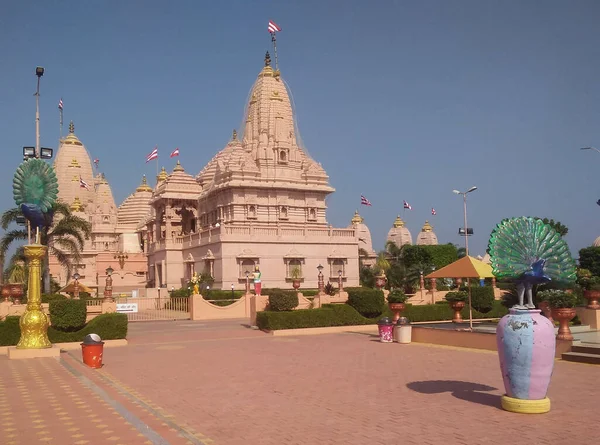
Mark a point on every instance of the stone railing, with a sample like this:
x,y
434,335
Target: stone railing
x,y
95,307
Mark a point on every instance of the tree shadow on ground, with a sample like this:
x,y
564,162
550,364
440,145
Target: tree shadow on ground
x,y
468,391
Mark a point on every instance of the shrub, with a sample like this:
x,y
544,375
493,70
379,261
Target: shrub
x,y
368,302
47,298
397,296
456,296
482,298
329,289
280,300
559,299
68,315
107,326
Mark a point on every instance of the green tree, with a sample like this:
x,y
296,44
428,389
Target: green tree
x,y
589,258
65,238
556,225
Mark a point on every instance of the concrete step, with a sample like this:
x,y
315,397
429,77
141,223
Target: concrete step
x,y
582,357
586,348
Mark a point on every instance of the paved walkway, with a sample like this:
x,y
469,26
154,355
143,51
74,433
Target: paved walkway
x,y
223,384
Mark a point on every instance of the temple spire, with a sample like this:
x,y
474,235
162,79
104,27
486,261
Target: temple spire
x,y
267,59
71,127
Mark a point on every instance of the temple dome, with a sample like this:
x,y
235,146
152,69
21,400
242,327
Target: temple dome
x,y
426,236
399,234
596,242
72,163
135,207
178,184
362,232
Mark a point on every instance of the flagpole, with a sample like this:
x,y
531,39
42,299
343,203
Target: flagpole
x,y
274,40
61,122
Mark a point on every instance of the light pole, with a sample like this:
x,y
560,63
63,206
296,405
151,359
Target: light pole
x,y
108,286
247,283
232,297
465,234
39,72
76,277
320,281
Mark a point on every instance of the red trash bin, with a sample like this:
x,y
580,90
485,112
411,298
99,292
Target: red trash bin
x,y
386,329
92,349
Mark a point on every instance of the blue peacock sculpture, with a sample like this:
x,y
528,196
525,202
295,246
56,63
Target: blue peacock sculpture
x,y
528,251
35,190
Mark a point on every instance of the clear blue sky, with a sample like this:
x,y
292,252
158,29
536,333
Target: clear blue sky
x,y
397,99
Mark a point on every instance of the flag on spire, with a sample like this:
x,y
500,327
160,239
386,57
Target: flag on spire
x,y
96,162
365,201
433,212
60,104
273,28
153,155
407,205
174,153
83,184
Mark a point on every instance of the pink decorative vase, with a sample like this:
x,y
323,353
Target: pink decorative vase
x,y
526,347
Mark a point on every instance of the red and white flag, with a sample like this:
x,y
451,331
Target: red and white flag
x,y
96,162
273,28
60,104
433,212
407,205
153,155
83,184
365,201
175,153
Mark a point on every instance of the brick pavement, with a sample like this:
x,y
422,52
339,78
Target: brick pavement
x,y
239,386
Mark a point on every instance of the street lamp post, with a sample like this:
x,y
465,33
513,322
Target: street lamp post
x,y
320,280
76,277
108,286
232,286
247,283
39,72
464,195
340,281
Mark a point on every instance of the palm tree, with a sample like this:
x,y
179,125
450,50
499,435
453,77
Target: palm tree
x,y
65,238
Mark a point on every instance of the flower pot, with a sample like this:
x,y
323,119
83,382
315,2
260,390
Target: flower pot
x,y
526,348
296,284
545,307
380,281
5,292
592,296
16,292
457,306
396,308
564,315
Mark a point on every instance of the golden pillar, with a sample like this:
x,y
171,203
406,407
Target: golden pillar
x,y
34,323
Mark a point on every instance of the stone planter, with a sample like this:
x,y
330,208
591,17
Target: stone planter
x,y
592,296
5,292
526,348
564,315
545,307
396,308
16,292
296,284
457,306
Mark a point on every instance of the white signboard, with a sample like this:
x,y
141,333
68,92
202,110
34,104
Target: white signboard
x,y
126,308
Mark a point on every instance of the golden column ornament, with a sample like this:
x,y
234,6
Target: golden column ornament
x,y
34,322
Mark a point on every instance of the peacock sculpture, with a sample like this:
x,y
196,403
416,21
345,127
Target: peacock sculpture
x,y
35,190
528,251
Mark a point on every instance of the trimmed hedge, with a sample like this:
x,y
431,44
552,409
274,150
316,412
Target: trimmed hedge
x,y
107,326
68,315
482,298
345,315
367,302
280,300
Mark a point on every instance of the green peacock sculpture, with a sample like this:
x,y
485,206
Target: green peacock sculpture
x,y
529,252
35,190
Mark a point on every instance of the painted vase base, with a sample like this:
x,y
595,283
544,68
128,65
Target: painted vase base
x,y
522,406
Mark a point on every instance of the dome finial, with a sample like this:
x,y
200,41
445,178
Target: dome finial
x,y
267,59
144,187
398,222
162,176
178,167
71,127
357,219
234,135
427,227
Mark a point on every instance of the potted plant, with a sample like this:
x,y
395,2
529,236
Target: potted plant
x,y
457,300
563,310
16,279
381,266
591,292
296,276
544,305
396,301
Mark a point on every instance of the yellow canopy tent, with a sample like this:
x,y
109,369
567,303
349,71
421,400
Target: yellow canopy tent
x,y
466,267
70,288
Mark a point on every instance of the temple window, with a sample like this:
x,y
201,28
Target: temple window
x,y
283,213
252,212
335,265
312,214
291,265
282,157
247,265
